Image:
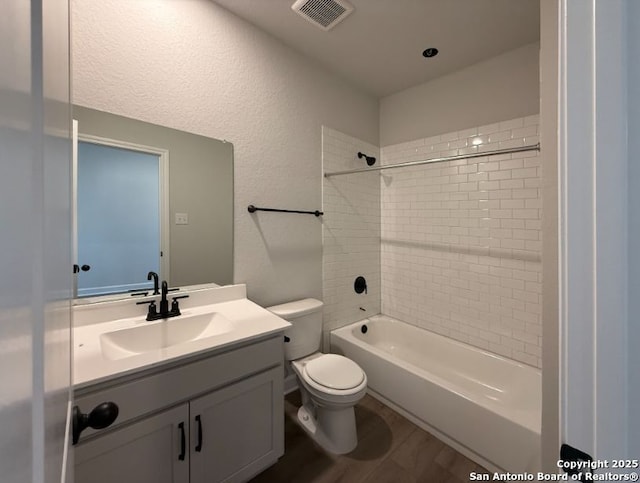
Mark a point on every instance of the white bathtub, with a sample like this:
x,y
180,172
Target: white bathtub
x,y
486,406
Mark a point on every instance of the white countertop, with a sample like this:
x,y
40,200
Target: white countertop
x,y
250,322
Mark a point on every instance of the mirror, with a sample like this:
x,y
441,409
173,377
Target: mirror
x,y
195,239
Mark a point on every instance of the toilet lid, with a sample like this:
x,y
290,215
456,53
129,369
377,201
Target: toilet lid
x,y
334,371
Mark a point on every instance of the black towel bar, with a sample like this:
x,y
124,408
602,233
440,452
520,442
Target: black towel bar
x,y
253,209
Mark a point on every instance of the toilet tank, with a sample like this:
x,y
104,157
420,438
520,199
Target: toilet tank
x,y
305,334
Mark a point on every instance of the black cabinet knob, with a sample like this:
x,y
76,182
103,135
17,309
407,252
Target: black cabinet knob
x,y
102,416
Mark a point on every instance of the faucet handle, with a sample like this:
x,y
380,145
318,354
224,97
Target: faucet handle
x,y
152,308
175,308
150,302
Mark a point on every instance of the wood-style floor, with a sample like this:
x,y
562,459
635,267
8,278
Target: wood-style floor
x,y
390,449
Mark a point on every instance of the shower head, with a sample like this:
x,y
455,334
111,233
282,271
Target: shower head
x,y
370,159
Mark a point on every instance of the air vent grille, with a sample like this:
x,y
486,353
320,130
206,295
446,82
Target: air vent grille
x,y
325,14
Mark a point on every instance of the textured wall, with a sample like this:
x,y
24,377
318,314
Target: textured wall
x,y
461,240
351,231
193,66
504,87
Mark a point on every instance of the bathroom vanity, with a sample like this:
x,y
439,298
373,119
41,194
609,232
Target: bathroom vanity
x,y
206,409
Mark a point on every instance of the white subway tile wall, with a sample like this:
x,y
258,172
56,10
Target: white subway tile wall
x,y
350,230
460,240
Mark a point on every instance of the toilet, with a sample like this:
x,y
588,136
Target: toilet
x,y
330,384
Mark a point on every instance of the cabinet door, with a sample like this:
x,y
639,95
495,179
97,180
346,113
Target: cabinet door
x,y
238,431
148,451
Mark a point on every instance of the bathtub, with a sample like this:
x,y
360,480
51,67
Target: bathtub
x,y
485,406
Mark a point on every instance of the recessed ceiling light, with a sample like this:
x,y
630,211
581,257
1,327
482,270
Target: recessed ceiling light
x,y
430,52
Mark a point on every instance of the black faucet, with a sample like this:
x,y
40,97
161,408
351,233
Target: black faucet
x,y
164,303
154,275
164,312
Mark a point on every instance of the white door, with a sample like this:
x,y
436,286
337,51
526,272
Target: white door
x,y
35,259
633,334
120,215
593,228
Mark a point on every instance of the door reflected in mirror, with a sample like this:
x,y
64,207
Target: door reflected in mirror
x,y
121,216
150,198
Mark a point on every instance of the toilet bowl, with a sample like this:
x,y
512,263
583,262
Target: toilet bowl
x,y
330,384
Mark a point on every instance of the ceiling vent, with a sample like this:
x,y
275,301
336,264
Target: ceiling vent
x,y
324,14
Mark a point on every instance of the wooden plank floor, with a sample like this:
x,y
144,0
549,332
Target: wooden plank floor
x,y
390,449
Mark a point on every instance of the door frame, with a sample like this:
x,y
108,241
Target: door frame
x,y
593,247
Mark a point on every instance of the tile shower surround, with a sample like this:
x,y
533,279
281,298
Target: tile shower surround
x,y
460,241
350,232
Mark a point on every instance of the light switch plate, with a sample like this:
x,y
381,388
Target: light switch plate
x,y
182,218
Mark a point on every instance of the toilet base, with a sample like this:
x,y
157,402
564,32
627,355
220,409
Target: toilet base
x,y
333,429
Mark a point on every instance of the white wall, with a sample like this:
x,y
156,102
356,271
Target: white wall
x,y
193,66
461,240
350,231
504,87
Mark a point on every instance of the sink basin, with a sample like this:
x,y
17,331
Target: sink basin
x,y
151,336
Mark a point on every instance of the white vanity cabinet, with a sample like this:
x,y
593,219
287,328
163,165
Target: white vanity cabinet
x,y
144,452
214,419
232,430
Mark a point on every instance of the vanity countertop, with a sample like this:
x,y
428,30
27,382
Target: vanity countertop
x,y
245,321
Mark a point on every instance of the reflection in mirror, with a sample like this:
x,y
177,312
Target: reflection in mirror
x,y
149,180
121,216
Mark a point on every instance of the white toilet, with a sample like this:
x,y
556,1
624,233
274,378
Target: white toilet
x,y
330,384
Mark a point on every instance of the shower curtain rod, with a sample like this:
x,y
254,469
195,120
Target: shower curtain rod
x,y
532,147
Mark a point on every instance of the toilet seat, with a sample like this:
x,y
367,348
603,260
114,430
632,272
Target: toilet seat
x,y
327,393
335,372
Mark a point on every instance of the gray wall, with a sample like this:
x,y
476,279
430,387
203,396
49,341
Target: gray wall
x,y
634,227
193,66
200,184
501,88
